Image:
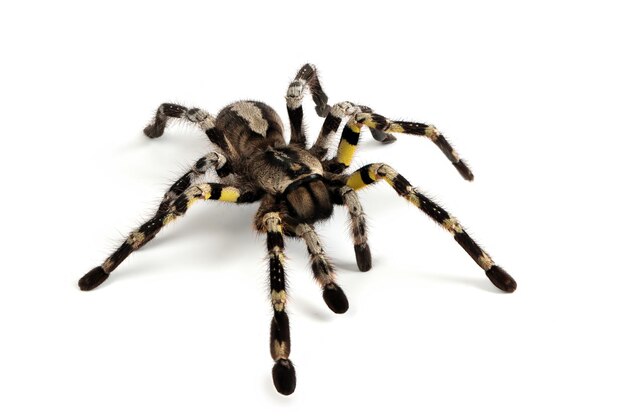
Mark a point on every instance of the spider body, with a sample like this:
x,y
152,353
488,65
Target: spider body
x,y
297,186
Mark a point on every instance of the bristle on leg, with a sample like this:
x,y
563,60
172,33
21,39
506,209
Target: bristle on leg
x,y
501,279
284,376
92,279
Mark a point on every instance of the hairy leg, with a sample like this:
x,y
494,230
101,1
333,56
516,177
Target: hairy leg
x,y
212,160
147,231
323,270
305,78
358,227
376,121
198,117
375,172
283,372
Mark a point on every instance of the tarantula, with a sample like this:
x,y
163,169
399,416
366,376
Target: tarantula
x,y
297,186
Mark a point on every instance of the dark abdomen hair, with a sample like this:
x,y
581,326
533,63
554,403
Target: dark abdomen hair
x,y
250,125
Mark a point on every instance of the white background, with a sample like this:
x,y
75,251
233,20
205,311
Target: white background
x,y
532,95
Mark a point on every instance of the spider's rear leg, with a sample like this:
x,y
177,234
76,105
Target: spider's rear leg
x,y
323,270
305,78
375,172
148,230
169,110
283,372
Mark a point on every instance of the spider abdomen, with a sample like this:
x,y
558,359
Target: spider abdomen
x,y
250,126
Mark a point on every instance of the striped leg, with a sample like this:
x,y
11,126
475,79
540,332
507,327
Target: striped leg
x,y
283,372
349,136
306,77
381,123
211,160
375,172
349,141
323,270
331,125
149,229
347,196
347,146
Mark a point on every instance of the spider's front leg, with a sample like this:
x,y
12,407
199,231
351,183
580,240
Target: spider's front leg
x,y
283,372
148,230
323,269
375,172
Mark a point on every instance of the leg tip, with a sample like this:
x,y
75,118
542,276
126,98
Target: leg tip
x,y
363,257
284,376
322,110
335,299
501,279
92,279
464,170
154,130
383,137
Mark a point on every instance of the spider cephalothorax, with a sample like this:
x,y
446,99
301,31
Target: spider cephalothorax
x,y
297,186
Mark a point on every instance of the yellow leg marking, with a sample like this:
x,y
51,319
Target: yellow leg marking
x,y
345,153
230,194
354,127
355,182
370,123
389,126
